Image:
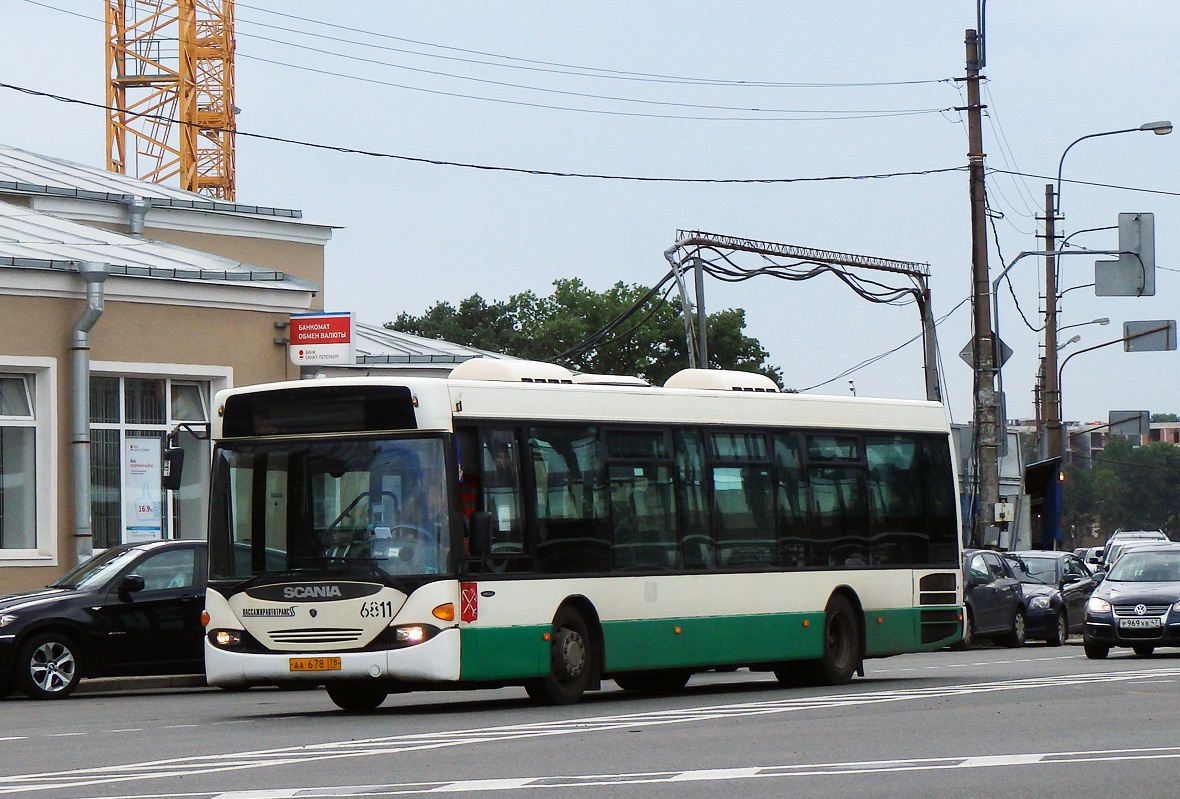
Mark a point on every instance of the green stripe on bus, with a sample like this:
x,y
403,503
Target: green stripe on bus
x,y
503,653
508,653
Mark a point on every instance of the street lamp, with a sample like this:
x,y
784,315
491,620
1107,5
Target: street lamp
x,y
1161,128
1052,394
1100,321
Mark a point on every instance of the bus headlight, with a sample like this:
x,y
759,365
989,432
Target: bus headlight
x,y
226,638
1098,605
410,634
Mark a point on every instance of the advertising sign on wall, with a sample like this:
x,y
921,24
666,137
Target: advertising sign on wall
x,y
142,520
321,339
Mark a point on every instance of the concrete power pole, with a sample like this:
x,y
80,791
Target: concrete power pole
x,y
987,466
1051,395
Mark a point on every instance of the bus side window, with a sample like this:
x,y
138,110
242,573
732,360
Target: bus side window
x,y
791,506
572,521
698,546
896,516
499,486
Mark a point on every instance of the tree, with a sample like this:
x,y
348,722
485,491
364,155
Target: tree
x,y
562,327
1127,487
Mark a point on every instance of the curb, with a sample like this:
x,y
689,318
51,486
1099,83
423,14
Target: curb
x,y
100,685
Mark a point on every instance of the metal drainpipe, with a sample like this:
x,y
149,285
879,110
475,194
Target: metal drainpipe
x,y
137,208
95,274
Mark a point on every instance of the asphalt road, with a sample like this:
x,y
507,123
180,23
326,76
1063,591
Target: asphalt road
x,y
1032,722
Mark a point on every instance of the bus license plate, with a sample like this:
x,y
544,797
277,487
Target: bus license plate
x,y
1139,624
314,664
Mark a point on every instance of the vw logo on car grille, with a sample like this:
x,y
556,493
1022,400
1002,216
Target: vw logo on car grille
x,y
1140,609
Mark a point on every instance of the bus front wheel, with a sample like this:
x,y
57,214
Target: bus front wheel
x,y
354,697
571,661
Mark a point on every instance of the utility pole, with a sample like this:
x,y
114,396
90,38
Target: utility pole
x,y
1051,395
987,466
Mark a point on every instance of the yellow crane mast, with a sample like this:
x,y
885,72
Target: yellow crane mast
x,y
170,91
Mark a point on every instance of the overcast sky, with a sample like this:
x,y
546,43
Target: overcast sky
x,y
777,90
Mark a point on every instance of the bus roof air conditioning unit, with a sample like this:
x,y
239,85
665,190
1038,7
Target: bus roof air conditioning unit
x,y
722,380
511,371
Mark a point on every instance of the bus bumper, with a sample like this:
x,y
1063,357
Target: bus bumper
x,y
436,660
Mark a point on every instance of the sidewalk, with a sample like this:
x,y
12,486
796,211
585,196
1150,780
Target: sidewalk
x,y
102,685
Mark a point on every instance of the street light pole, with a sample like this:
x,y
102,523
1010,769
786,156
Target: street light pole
x,y
1051,395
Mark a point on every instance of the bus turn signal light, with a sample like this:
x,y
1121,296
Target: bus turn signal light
x,y
204,618
445,612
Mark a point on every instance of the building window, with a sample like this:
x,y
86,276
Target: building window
x,y
129,420
18,463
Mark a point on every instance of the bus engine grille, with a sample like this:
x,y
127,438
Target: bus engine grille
x,y
331,635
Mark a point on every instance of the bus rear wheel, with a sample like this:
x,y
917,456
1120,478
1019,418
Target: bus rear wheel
x,y
842,655
572,656
357,698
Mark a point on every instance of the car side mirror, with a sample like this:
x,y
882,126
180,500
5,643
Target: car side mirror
x,y
130,584
480,542
1099,576
974,580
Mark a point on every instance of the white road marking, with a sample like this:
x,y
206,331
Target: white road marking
x,y
391,745
613,781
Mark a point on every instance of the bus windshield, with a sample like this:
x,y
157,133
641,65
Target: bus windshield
x,y
362,506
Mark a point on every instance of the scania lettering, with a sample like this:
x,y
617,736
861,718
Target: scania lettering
x,y
517,525
311,592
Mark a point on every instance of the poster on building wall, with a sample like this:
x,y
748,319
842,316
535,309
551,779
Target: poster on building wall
x,y
142,520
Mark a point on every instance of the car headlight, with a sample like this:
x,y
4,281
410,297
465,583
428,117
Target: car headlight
x,y
6,619
1098,605
1038,603
1175,607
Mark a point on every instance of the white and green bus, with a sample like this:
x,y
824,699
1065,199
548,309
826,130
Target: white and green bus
x,y
515,524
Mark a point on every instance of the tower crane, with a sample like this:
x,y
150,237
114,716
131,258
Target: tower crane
x,y
170,92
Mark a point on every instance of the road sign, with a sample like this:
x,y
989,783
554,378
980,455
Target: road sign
x,y
1003,353
1129,423
1153,335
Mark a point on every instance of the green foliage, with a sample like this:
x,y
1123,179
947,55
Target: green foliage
x,y
649,344
1164,417
1127,487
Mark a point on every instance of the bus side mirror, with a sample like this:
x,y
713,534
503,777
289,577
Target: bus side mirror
x,y
481,532
172,463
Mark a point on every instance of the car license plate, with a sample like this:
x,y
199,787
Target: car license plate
x,y
1139,624
314,664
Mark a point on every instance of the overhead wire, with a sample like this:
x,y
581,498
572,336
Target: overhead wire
x,y
599,72
881,356
488,167
766,114
831,116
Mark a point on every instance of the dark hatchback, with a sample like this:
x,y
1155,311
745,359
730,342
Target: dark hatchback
x,y
995,603
133,609
1056,586
1137,604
